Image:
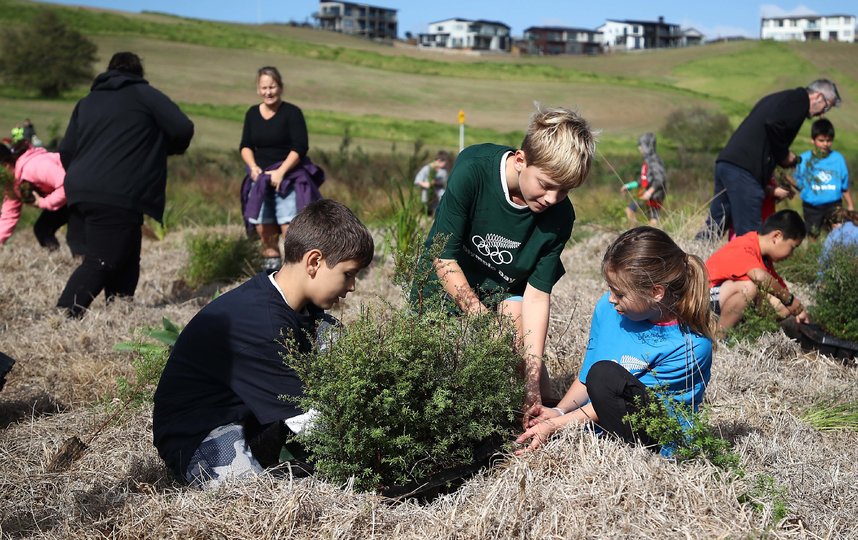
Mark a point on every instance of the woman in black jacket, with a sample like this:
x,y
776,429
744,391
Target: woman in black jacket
x,y
115,155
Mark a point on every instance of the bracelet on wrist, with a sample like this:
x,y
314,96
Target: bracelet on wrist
x,y
559,410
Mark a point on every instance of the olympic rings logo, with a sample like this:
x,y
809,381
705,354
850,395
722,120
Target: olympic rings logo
x,y
493,247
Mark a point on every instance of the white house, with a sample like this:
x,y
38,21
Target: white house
x,y
459,33
640,34
809,28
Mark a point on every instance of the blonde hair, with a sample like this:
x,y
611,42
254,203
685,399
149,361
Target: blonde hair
x,y
560,142
645,256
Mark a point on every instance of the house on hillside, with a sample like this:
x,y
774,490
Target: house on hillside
x,y
809,28
357,19
458,33
690,36
632,35
561,40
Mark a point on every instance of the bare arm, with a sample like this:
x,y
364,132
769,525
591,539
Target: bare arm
x,y
769,285
535,310
456,285
848,198
250,160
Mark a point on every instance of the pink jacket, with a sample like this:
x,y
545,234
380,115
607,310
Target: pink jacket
x,y
46,173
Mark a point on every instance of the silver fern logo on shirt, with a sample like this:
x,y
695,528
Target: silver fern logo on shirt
x,y
495,247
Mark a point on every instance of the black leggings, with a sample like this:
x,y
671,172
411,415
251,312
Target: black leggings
x,y
46,226
112,239
612,390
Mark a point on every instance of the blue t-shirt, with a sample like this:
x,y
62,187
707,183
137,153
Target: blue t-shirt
x,y
822,180
662,355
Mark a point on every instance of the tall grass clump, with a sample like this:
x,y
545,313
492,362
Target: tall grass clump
x,y
214,257
830,416
403,394
836,304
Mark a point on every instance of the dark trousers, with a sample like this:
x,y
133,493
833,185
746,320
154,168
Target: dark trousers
x,y
738,201
111,255
47,225
816,218
612,390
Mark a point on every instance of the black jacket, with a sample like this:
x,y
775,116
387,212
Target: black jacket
x,y
763,139
116,146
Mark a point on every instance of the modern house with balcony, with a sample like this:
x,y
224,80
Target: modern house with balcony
x,y
561,40
457,33
632,35
809,28
357,19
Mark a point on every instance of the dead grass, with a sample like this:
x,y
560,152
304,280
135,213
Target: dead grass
x,y
579,486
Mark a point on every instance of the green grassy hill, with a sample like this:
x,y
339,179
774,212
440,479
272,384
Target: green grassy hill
x,y
387,94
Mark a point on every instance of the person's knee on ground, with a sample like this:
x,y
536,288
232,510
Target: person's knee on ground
x,y
734,299
223,455
614,394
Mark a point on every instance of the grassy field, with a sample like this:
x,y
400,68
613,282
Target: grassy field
x,y
399,105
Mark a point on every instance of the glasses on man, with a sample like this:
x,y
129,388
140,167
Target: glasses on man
x,y
827,106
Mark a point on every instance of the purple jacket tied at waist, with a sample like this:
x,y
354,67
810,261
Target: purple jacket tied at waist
x,y
305,178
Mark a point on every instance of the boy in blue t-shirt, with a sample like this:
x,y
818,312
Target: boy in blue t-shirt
x,y
822,178
222,385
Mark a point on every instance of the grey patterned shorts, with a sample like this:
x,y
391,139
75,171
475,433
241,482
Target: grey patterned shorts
x,y
223,455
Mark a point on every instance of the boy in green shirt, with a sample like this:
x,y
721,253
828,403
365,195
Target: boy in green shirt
x,y
506,217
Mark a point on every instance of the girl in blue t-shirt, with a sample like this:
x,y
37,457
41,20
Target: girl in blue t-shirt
x,y
653,329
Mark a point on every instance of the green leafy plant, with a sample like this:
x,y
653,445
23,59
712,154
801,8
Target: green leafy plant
x,y
219,257
403,395
150,359
759,318
406,229
836,309
689,434
803,265
767,494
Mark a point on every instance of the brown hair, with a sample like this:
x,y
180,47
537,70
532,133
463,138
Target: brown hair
x,y
331,228
645,256
271,72
560,142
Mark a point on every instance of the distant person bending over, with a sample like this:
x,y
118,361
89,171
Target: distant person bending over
x,y
759,144
432,181
844,233
652,184
115,155
652,330
37,179
823,178
743,271
506,217
222,385
280,179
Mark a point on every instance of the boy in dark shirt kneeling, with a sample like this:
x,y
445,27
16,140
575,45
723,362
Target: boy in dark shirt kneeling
x,y
222,384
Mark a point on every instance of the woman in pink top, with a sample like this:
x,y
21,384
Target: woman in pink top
x,y
38,180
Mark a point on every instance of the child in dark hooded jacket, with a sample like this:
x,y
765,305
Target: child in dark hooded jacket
x,y
652,185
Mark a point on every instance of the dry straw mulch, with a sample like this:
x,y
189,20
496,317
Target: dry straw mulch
x,y
578,486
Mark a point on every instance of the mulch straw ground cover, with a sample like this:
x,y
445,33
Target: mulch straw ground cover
x,y
798,482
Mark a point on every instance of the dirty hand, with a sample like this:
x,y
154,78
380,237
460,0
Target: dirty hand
x,y
537,435
540,413
803,317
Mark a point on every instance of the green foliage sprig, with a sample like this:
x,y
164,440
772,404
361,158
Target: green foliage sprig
x,y
219,257
836,309
149,362
759,318
402,395
687,433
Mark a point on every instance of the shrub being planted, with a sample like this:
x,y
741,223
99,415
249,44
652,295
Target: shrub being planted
x,y
403,395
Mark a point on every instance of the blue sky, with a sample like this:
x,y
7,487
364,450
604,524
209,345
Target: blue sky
x,y
714,18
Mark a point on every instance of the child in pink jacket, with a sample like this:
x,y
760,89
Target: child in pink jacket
x,y
38,180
